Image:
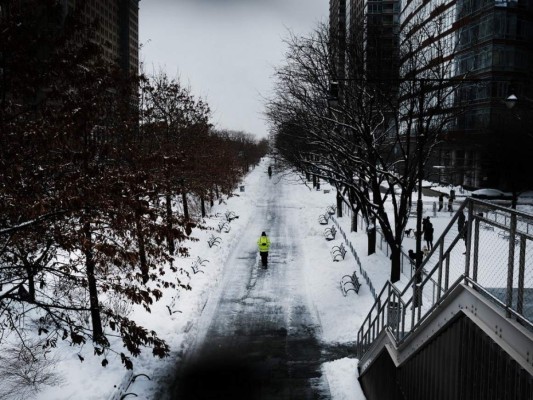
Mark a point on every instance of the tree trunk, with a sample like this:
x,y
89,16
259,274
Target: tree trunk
x,y
185,204
170,235
140,242
184,200
355,210
90,265
216,192
353,226
202,206
372,230
30,272
339,205
514,200
395,264
371,234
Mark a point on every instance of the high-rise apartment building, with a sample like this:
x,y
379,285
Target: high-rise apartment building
x,y
491,46
488,44
117,31
373,26
337,34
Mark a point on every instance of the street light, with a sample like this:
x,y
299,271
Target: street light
x,y
511,101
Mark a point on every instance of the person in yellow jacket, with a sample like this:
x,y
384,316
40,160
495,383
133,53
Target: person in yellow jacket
x,y
264,245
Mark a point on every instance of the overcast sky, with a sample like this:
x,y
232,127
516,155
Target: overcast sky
x,y
225,49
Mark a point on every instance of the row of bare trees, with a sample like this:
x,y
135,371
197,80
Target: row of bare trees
x,y
96,172
370,136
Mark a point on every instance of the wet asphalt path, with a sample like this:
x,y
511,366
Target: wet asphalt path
x,y
259,333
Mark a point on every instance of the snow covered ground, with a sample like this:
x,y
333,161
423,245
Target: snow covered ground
x,y
176,317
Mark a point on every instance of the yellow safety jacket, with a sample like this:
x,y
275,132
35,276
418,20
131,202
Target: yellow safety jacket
x,y
263,243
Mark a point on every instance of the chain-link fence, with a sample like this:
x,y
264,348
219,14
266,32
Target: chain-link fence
x,y
429,209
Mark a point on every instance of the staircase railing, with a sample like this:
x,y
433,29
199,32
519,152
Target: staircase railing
x,y
493,253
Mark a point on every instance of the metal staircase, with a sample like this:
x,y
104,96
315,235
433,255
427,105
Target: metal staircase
x,y
474,299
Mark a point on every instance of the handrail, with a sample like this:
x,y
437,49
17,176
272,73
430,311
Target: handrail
x,y
451,264
501,303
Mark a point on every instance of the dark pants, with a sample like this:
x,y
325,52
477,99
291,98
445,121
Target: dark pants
x,y
264,257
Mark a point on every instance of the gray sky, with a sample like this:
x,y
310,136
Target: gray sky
x,y
225,49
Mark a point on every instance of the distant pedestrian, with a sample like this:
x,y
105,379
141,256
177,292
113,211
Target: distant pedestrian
x,y
270,172
461,221
441,202
450,204
428,233
463,232
264,245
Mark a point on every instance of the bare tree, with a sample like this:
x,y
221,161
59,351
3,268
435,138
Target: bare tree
x,y
372,145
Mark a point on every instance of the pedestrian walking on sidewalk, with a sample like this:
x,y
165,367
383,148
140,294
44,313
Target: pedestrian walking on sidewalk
x,y
428,233
264,245
450,204
441,202
461,221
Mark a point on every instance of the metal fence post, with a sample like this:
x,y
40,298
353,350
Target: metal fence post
x,y
476,250
521,270
469,236
510,265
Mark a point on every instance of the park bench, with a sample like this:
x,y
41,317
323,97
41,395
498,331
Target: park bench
x,y
197,264
506,235
121,391
230,216
323,219
331,210
171,306
352,280
338,252
329,233
213,241
486,226
223,227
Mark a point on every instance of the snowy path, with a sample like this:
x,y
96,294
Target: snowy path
x,y
257,334
285,332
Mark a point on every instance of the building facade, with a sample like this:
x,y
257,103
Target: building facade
x,y
487,45
337,37
117,28
495,53
371,38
